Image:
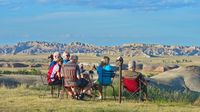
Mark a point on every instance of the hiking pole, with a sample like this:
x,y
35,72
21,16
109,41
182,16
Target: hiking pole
x,y
120,63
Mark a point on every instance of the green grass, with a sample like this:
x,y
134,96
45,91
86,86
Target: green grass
x,y
25,98
163,96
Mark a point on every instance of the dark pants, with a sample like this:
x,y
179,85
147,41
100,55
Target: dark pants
x,y
56,82
82,83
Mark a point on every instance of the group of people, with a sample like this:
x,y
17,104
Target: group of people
x,y
65,71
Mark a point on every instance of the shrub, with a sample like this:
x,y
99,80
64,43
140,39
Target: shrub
x,y
24,71
158,95
197,102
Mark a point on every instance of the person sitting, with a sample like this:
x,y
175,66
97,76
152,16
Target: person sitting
x,y
82,68
105,73
54,73
85,84
66,57
97,84
71,73
56,55
132,73
108,72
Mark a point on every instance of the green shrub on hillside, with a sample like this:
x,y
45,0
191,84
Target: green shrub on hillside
x,y
23,71
158,95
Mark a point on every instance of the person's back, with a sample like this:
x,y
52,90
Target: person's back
x,y
132,73
52,64
53,76
56,56
100,73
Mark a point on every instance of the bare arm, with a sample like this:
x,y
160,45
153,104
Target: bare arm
x,y
78,72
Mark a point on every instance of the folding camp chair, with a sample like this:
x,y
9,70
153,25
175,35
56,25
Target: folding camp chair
x,y
131,87
107,81
46,86
69,76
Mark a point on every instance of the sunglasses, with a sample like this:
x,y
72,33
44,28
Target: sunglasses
x,y
68,55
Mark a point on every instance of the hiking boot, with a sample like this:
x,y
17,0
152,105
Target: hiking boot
x,y
75,97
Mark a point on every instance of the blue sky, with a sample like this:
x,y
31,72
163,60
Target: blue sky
x,y
101,22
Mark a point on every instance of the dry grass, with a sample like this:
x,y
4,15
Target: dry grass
x,y
42,58
23,99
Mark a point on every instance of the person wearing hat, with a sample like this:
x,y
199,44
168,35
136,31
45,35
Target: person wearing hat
x,y
54,73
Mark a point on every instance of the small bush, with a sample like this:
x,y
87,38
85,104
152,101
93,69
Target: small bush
x,y
24,71
197,102
158,95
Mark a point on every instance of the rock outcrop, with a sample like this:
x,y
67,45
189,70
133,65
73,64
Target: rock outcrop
x,y
145,50
180,79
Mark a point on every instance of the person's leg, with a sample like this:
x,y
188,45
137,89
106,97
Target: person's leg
x,y
87,91
57,82
100,91
69,92
144,92
87,87
75,90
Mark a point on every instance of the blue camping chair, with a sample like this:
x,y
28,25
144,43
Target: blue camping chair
x,y
106,76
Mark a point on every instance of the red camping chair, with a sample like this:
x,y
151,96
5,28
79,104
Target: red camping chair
x,y
131,87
